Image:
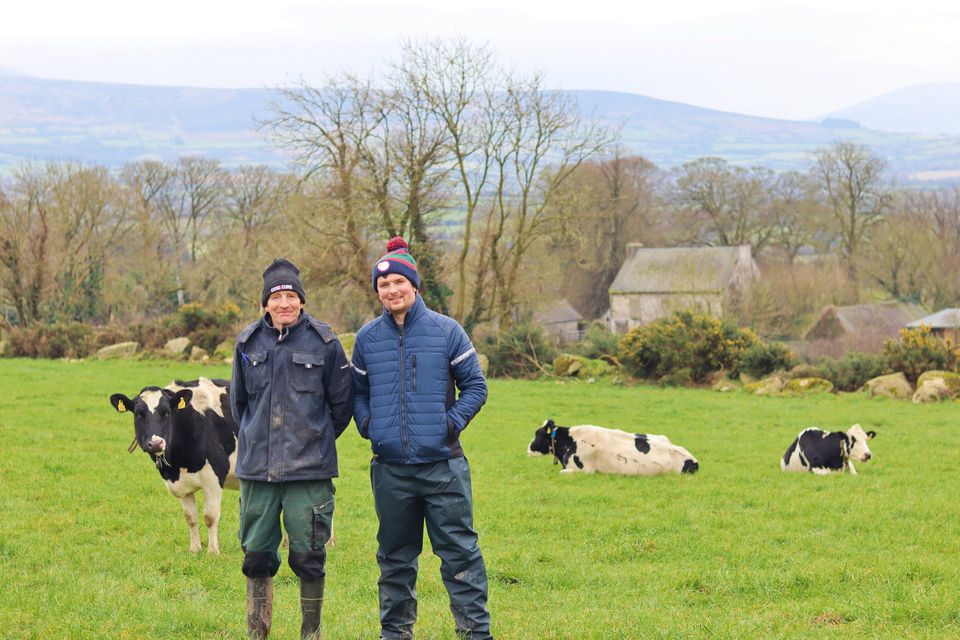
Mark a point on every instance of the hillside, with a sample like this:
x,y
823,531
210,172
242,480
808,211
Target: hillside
x,y
111,124
922,108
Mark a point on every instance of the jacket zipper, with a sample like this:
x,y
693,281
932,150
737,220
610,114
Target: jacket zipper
x,y
403,402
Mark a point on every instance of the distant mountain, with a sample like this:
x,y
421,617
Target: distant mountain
x,y
110,124
920,108
13,73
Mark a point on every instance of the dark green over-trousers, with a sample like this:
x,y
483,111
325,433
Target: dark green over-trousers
x,y
438,494
307,510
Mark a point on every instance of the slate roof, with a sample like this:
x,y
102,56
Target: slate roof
x,y
885,318
943,319
676,270
557,312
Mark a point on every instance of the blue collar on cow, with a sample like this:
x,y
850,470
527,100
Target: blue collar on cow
x,y
552,432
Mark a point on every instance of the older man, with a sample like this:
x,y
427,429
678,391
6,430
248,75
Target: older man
x,y
292,395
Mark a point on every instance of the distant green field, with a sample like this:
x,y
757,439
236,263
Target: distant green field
x,y
92,546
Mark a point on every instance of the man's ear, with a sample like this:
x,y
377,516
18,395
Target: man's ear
x,y
121,402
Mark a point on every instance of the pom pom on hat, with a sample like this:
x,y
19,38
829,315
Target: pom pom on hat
x,y
398,260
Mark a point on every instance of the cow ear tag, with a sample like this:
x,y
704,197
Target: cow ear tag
x,y
182,404
120,406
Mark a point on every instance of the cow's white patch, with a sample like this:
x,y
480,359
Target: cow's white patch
x,y
160,443
151,399
605,450
205,396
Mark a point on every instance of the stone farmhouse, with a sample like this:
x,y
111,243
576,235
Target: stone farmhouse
x,y
655,282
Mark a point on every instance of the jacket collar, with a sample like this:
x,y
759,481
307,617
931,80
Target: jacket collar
x,y
290,330
415,311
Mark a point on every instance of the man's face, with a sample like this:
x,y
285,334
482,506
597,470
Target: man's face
x,y
284,308
396,293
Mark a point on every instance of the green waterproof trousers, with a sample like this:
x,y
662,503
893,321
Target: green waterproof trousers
x,y
307,510
439,495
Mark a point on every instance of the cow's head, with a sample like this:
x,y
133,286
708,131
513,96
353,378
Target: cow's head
x,y
542,444
154,410
857,442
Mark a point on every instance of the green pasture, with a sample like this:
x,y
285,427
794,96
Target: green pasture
x,y
92,545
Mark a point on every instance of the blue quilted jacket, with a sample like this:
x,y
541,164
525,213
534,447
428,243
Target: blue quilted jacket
x,y
405,381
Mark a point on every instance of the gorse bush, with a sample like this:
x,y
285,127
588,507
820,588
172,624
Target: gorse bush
x,y
520,351
686,346
918,350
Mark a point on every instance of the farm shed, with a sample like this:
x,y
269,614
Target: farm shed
x,y
560,320
944,323
655,282
876,321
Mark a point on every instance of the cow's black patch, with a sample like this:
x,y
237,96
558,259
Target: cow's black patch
x,y
824,450
576,461
641,442
690,466
549,438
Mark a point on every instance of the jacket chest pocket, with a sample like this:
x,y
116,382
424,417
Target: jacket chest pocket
x,y
307,372
429,372
256,373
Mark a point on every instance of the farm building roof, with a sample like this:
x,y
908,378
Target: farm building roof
x,y
676,270
943,319
885,318
556,312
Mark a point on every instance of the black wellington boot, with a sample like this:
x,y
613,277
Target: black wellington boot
x,y
311,603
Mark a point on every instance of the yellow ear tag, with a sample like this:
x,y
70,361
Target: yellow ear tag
x,y
183,404
120,406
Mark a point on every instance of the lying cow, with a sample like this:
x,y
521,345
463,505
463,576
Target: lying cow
x,y
588,449
191,436
823,452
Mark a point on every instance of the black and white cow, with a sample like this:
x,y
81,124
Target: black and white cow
x,y
191,436
821,452
588,449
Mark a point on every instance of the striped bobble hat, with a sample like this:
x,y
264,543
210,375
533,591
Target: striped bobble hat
x,y
397,259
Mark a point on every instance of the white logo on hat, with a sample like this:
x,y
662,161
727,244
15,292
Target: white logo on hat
x,y
383,266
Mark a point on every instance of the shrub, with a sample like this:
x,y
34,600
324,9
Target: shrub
x,y
763,358
850,372
59,340
520,351
699,344
918,350
598,341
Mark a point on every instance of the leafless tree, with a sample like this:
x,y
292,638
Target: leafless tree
x,y
724,205
851,181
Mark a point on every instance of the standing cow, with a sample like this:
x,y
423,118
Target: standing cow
x,y
587,448
191,436
823,452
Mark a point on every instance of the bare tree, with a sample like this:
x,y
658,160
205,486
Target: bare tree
x,y
851,182
797,214
605,205
330,130
545,141
724,205
458,82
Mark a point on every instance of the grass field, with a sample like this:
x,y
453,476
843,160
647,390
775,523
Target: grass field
x,y
92,545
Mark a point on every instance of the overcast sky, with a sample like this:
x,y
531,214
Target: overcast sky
x,y
780,58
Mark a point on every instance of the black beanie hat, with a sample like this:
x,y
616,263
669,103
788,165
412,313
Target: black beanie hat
x,y
281,275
